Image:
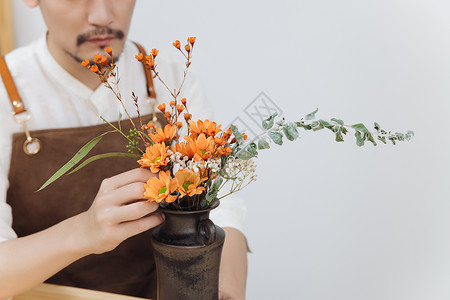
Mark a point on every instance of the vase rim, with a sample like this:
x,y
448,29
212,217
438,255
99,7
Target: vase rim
x,y
185,212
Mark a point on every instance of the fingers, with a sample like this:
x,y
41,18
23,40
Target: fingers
x,y
135,211
123,179
123,195
132,228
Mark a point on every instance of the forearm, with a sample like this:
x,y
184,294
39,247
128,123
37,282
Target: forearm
x,y
28,261
233,267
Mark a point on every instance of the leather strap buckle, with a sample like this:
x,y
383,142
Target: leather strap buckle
x,y
32,145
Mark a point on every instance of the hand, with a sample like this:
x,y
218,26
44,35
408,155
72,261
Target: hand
x,y
118,212
226,296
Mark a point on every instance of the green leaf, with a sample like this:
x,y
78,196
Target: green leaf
x,y
359,139
74,160
268,123
370,138
312,115
252,148
376,126
276,137
325,123
305,126
382,138
245,155
237,134
263,144
290,131
361,127
339,137
104,155
212,193
118,121
340,122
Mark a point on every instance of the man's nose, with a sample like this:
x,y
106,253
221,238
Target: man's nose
x,y
100,13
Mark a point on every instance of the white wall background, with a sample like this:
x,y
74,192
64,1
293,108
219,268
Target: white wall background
x,y
329,220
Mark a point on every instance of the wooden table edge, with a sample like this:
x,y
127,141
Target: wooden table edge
x,y
46,291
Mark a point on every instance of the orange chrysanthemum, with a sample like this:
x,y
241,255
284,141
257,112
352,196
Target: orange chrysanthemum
x,y
202,147
157,190
183,149
154,157
188,183
206,127
163,135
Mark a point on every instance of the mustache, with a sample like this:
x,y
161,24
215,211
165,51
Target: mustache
x,y
100,31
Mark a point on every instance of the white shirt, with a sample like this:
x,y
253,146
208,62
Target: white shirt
x,y
56,99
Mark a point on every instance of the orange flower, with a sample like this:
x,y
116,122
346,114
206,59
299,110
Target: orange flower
x,y
167,115
219,141
94,69
185,151
166,135
140,57
180,108
149,61
192,40
207,127
187,116
162,107
100,59
177,44
108,50
187,48
202,147
223,151
151,124
154,52
188,183
85,63
161,189
172,103
154,157
183,101
179,124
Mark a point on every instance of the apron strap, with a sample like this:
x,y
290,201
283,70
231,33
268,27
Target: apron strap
x,y
8,81
148,74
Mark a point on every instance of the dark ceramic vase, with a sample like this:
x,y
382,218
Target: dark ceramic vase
x,y
187,249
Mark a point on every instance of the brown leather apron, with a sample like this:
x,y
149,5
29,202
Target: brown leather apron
x,y
130,268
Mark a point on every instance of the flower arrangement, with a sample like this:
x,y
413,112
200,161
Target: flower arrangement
x,y
195,166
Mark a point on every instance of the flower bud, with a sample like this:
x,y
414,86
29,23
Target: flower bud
x,y
140,57
109,50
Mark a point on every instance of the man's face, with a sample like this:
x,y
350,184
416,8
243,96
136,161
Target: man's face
x,y
78,29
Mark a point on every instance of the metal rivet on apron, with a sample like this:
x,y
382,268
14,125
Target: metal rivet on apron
x,y
31,145
17,104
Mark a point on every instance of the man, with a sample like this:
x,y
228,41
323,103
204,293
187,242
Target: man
x,y
58,92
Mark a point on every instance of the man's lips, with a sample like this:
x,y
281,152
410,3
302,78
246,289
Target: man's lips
x,y
101,41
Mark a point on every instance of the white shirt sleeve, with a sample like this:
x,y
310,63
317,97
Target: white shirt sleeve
x,y
6,231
